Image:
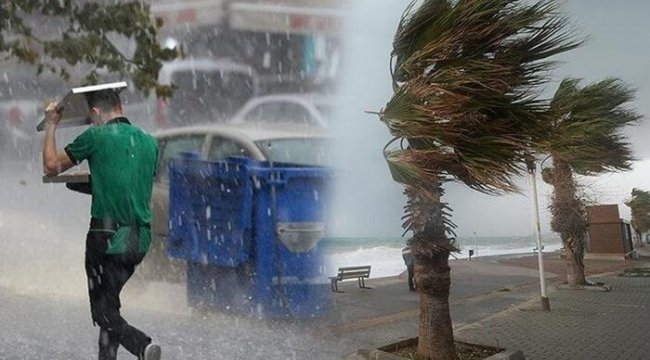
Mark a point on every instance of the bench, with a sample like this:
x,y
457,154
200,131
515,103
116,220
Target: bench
x,y
353,272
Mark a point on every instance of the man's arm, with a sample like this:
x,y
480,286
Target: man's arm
x,y
54,162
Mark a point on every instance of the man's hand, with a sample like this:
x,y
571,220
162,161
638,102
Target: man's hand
x,y
53,114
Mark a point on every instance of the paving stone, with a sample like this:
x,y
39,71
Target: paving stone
x,y
581,324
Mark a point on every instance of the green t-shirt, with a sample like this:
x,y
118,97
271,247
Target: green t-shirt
x,y
122,160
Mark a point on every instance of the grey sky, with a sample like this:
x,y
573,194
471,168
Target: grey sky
x,y
368,203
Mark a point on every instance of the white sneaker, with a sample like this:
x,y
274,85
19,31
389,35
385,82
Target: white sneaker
x,y
152,352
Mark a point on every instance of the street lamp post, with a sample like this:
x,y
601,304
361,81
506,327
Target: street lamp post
x,y
532,166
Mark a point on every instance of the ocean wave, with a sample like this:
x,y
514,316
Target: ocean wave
x,y
387,260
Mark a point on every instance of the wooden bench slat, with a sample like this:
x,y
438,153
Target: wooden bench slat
x,y
354,274
354,268
354,271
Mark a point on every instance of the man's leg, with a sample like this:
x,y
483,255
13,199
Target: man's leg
x,y
411,276
96,243
107,275
108,343
117,270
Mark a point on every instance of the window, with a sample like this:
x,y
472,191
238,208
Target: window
x,y
260,112
280,112
170,148
325,110
222,148
306,151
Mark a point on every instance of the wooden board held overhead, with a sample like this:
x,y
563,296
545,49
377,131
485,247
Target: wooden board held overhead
x,y
75,106
68,177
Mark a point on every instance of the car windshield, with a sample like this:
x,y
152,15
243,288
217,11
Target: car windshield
x,y
301,151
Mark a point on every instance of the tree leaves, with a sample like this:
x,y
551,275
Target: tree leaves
x,y
85,39
639,203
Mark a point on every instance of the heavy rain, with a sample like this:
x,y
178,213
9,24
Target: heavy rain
x,y
275,218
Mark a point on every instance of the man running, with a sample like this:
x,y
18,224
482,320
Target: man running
x,y
122,160
410,264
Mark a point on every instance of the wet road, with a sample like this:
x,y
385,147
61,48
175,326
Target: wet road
x,y
59,327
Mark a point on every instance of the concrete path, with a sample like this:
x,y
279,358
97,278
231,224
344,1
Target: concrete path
x,y
496,301
389,312
582,324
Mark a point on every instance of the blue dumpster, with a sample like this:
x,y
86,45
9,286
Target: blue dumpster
x,y
292,202
251,232
210,211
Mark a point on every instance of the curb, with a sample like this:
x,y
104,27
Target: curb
x,y
364,354
508,355
599,288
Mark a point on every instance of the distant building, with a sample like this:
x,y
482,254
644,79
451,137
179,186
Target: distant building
x,y
293,45
610,237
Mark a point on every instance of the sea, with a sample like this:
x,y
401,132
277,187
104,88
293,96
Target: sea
x,y
385,254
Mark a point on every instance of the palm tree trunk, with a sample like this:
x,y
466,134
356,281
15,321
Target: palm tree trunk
x,y
639,238
569,219
575,273
435,334
431,249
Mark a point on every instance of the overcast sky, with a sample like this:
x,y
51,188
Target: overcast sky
x,y
369,203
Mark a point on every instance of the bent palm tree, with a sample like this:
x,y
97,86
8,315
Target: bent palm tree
x,y
639,204
463,110
583,137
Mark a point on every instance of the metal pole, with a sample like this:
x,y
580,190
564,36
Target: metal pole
x,y
546,305
276,236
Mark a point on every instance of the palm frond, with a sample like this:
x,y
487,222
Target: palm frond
x,y
414,29
586,124
430,219
464,73
478,171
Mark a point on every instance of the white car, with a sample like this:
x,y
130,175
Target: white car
x,y
216,142
300,109
206,91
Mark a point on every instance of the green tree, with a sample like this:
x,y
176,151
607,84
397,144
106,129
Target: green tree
x,y
64,35
639,204
465,75
583,137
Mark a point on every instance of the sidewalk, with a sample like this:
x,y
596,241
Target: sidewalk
x,y
495,301
581,324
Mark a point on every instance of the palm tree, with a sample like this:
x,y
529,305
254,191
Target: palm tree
x,y
583,137
639,204
464,109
